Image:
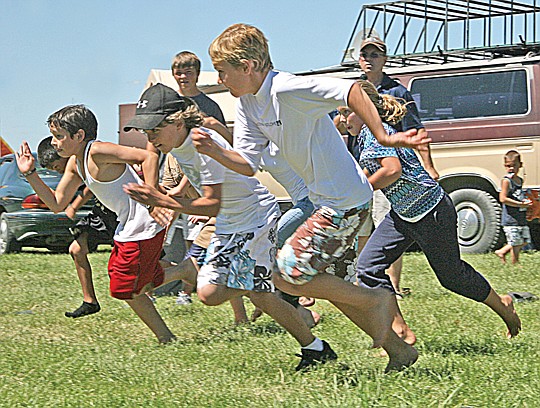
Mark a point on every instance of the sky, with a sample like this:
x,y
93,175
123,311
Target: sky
x,y
99,53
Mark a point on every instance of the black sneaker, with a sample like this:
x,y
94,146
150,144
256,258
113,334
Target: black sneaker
x,y
312,357
84,310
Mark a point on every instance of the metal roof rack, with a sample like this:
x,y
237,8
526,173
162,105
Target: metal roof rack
x,y
419,32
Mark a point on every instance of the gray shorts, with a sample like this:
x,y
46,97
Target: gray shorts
x,y
241,260
517,235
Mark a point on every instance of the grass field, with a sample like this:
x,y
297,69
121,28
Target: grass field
x,y
112,360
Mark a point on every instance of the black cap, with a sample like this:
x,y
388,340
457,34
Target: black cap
x,y
156,103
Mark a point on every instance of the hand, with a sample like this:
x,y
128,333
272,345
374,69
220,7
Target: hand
x,y
70,212
163,216
202,141
412,139
144,194
197,218
25,158
527,203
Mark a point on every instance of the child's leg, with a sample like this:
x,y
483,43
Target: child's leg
x,y
186,270
367,308
515,253
284,314
395,273
214,295
504,307
437,236
336,290
79,252
501,253
146,310
240,315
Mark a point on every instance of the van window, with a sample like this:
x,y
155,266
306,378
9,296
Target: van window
x,y
471,96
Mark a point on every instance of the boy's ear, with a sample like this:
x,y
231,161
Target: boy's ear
x,y
248,66
79,135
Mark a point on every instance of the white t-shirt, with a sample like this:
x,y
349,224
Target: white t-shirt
x,y
274,163
245,203
292,112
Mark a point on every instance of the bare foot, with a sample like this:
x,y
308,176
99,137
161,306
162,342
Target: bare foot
x,y
406,334
501,255
510,317
310,317
316,318
404,359
306,301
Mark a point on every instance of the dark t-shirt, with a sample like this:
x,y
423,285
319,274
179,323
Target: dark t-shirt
x,y
514,216
209,107
392,87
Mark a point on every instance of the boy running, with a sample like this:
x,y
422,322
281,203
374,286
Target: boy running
x,y
97,226
134,267
292,112
241,255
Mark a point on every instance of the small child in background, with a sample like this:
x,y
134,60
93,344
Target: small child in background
x,y
514,206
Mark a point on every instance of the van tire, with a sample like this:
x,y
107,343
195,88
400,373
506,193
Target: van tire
x,y
479,220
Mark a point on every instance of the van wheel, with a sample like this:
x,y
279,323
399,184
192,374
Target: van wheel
x,y
479,220
8,243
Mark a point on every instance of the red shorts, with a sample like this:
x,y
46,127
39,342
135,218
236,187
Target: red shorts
x,y
133,265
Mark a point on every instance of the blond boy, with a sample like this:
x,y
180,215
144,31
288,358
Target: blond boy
x,y
292,112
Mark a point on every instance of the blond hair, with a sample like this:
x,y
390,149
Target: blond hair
x,y
389,108
191,116
241,42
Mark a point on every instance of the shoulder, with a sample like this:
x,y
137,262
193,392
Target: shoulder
x,y
393,87
202,97
71,165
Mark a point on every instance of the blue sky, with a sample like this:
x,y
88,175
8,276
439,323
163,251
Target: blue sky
x,y
99,53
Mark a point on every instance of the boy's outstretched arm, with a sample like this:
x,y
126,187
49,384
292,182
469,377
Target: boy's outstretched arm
x,y
209,204
229,158
57,200
360,104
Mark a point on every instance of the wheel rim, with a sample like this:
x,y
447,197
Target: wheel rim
x,y
471,223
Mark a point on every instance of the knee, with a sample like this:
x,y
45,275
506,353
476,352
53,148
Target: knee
x,y
208,299
76,250
284,286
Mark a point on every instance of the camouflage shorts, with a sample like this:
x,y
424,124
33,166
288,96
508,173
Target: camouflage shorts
x,y
319,242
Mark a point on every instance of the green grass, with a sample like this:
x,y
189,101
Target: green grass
x,y
112,360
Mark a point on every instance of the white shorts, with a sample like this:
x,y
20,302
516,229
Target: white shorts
x,y
241,260
380,207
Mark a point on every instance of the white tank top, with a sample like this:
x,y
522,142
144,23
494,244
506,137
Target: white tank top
x,y
135,223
